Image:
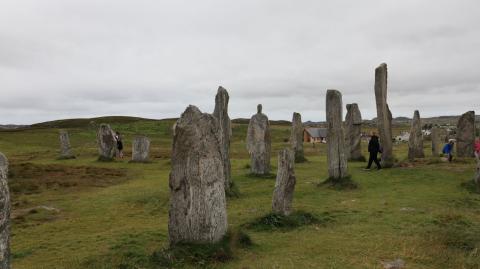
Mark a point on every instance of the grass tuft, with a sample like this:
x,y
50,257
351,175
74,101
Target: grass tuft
x,y
264,176
201,254
105,159
471,186
275,221
345,183
455,231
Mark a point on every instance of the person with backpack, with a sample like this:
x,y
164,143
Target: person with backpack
x,y
118,138
448,150
374,148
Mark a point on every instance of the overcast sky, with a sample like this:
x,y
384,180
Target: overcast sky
x,y
87,58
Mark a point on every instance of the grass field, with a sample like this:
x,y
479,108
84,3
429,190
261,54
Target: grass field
x,y
85,214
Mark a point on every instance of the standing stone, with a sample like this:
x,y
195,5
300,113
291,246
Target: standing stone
x,y
225,131
140,149
65,148
415,141
337,161
198,211
285,184
4,214
259,143
296,137
384,116
106,143
466,135
353,129
438,136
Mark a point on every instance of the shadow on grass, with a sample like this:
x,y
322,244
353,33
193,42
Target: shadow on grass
x,y
345,183
471,186
274,221
264,176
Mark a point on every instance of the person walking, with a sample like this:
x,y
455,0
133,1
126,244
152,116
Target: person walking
x,y
118,138
448,150
477,149
373,149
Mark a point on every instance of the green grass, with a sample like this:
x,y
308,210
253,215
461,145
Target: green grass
x,y
114,214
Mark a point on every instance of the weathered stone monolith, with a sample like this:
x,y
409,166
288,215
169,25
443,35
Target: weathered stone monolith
x,y
4,214
438,136
353,130
198,211
65,148
259,143
106,143
225,131
140,149
285,184
466,135
384,116
415,141
336,159
296,137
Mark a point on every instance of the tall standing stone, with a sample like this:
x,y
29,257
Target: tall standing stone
x,y
4,214
140,149
225,131
337,161
259,143
296,137
285,184
65,148
197,192
438,136
466,135
353,130
384,116
415,141
106,143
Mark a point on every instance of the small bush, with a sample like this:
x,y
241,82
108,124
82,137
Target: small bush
x,y
274,221
345,183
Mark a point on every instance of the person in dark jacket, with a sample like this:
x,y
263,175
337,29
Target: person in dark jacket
x,y
374,149
118,138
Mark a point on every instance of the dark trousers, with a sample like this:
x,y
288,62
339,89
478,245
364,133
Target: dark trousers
x,y
373,158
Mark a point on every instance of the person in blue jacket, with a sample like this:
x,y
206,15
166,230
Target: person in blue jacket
x,y
448,149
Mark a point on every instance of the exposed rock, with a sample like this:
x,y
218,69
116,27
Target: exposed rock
x,y
65,148
198,211
396,264
415,142
336,159
225,131
466,135
353,129
259,143
140,149
296,137
5,208
285,184
438,136
106,143
384,116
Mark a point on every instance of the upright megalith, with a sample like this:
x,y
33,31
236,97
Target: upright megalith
x,y
415,141
384,116
466,135
106,143
225,131
65,148
353,129
140,149
296,137
285,184
438,136
198,211
4,214
336,159
259,143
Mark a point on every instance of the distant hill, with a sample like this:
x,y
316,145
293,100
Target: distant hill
x,y
85,122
